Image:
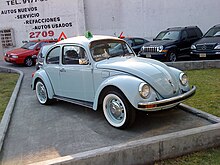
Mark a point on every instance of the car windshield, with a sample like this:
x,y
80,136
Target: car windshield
x,y
168,35
105,49
30,45
213,32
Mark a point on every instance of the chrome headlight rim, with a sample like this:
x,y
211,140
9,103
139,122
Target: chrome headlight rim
x,y
160,48
193,47
144,90
217,47
183,79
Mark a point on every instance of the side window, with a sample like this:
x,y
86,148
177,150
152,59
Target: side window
x,y
184,35
53,56
138,41
198,32
74,55
191,33
130,42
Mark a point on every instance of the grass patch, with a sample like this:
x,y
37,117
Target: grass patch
x,y
7,84
207,98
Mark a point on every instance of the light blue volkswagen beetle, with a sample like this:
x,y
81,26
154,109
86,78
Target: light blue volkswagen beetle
x,y
104,72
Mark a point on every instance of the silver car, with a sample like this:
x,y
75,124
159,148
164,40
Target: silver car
x,y
103,72
41,55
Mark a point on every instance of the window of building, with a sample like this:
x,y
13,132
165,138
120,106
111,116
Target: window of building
x,y
7,38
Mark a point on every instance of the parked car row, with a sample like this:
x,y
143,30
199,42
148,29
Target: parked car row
x,y
174,43
169,45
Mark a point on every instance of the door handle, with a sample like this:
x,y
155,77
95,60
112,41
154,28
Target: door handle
x,y
62,70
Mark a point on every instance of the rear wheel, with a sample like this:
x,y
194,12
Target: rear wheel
x,y
41,93
117,110
28,62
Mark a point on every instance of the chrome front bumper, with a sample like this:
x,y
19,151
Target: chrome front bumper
x,y
166,103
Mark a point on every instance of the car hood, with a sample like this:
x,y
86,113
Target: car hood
x,y
155,73
20,51
205,40
159,43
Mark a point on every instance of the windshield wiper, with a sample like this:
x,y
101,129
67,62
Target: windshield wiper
x,y
166,39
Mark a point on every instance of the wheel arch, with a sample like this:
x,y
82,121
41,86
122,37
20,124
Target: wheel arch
x,y
126,84
41,75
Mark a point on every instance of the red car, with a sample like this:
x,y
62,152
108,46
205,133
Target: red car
x,y
27,54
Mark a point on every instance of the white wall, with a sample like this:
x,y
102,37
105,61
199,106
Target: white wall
x,y
147,17
144,18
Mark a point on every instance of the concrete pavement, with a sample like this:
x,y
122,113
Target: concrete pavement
x,y
39,133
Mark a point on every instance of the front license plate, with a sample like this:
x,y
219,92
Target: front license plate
x,y
7,59
148,55
202,55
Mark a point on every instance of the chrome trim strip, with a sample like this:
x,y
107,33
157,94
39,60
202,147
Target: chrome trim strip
x,y
78,102
169,101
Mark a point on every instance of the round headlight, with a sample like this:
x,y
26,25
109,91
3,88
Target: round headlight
x,y
160,48
183,79
144,90
193,47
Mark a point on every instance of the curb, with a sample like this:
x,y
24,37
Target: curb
x,y
10,107
211,118
147,150
192,65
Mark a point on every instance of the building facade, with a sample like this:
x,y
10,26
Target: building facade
x,y
24,20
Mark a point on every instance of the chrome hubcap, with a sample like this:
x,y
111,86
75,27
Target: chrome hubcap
x,y
173,57
116,109
28,62
41,92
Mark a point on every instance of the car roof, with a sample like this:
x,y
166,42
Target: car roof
x,y
182,28
85,41
218,25
47,46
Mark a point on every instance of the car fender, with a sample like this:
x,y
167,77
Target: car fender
x,y
127,84
172,47
42,75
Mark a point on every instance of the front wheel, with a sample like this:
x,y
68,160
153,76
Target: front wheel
x,y
41,93
117,110
28,62
172,57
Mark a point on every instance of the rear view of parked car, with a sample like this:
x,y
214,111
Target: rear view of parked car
x,y
41,55
209,46
27,54
171,44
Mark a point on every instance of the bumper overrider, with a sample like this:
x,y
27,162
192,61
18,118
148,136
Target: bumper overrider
x,y
166,103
